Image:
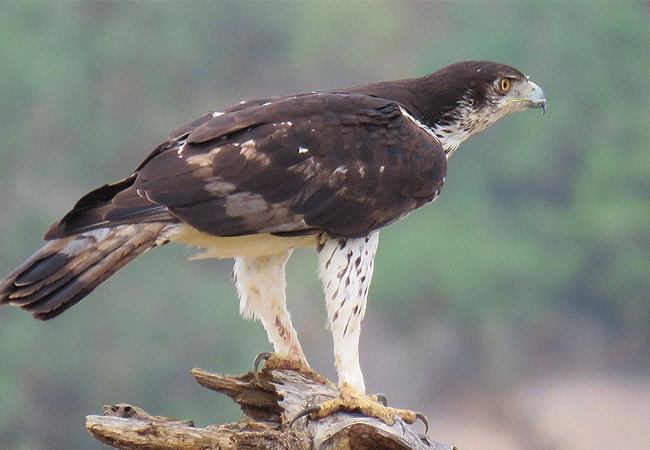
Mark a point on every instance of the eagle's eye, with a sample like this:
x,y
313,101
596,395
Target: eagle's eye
x,y
504,85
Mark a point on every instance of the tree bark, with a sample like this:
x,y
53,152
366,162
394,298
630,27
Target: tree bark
x,y
270,401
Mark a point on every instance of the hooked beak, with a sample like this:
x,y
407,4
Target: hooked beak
x,y
536,97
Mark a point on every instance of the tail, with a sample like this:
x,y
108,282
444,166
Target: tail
x,y
67,269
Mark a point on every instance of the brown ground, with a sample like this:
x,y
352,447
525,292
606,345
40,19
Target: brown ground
x,y
571,412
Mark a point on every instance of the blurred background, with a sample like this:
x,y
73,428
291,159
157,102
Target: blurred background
x,y
513,311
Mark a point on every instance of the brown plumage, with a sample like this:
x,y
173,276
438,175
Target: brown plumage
x,y
322,169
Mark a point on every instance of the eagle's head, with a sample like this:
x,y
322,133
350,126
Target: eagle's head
x,y
468,96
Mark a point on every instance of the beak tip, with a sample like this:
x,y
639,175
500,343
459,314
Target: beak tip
x,y
537,98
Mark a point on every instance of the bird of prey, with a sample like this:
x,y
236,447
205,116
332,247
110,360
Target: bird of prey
x,y
252,182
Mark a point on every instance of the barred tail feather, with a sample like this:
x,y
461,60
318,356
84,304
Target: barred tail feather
x,y
67,269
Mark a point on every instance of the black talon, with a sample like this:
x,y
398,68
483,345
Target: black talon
x,y
264,356
424,420
305,412
381,398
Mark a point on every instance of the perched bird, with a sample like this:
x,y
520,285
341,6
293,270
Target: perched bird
x,y
252,182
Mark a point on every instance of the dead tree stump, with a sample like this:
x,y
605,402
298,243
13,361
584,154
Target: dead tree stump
x,y
270,402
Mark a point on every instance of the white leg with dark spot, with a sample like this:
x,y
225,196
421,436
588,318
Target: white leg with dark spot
x,y
345,268
261,285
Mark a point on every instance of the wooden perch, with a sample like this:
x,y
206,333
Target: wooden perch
x,y
270,402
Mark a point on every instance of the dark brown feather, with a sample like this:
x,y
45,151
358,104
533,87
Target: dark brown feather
x,y
345,132
65,270
345,164
341,163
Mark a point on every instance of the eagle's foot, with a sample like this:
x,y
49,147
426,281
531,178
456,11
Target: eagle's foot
x,y
275,361
351,400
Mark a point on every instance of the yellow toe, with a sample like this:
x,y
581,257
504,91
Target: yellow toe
x,y
275,361
351,400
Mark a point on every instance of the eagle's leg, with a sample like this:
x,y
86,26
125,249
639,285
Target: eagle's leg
x,y
261,285
345,267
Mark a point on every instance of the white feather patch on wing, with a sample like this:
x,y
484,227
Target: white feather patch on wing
x,y
203,159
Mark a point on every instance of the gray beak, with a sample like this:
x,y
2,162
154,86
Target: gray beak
x,y
537,98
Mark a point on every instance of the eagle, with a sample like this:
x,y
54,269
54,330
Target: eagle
x,y
326,170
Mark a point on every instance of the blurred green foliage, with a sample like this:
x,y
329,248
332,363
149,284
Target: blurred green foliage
x,y
538,215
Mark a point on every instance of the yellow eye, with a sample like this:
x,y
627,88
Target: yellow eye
x,y
504,85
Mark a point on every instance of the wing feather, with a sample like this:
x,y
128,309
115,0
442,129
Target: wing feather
x,y
339,163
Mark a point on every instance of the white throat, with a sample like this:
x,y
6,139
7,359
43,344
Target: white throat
x,y
466,123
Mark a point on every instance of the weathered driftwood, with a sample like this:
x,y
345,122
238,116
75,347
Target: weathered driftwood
x,y
270,401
